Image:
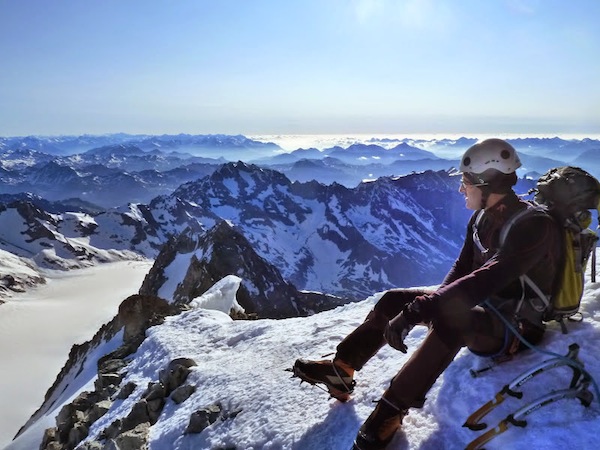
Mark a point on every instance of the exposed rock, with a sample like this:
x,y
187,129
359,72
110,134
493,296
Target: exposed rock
x,y
43,231
124,350
107,381
66,419
126,390
181,243
176,373
110,375
150,406
138,312
232,414
77,434
55,446
91,445
138,414
154,391
155,407
153,400
24,277
113,365
203,418
182,393
50,436
33,216
134,439
242,315
352,221
98,410
220,252
75,363
74,420
112,430
143,229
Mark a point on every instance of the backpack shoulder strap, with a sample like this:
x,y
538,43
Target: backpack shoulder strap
x,y
476,239
531,210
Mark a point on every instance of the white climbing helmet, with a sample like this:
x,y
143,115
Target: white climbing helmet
x,y
494,154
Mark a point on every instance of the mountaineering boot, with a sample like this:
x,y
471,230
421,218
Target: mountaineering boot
x,y
335,375
381,426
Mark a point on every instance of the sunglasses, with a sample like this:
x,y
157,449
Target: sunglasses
x,y
465,183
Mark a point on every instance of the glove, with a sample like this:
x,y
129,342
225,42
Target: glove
x,y
398,328
396,331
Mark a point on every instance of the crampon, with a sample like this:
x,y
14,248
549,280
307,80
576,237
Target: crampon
x,y
326,376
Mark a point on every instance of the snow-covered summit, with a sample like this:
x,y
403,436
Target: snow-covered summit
x,y
236,376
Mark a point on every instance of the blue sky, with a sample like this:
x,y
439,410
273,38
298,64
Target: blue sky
x,y
300,66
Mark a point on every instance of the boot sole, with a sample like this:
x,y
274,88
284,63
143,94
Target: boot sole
x,y
333,392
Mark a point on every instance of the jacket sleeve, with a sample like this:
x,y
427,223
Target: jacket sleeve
x,y
464,263
526,244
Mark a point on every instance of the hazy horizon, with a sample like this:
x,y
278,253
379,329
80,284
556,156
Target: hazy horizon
x,y
270,67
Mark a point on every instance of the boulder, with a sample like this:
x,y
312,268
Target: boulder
x,y
135,439
126,390
138,312
176,373
203,418
182,393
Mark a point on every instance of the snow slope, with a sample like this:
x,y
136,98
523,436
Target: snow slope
x,y
241,364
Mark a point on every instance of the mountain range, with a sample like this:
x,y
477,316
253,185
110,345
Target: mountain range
x,y
99,169
327,238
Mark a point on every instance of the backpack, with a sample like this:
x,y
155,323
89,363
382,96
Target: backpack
x,y
566,194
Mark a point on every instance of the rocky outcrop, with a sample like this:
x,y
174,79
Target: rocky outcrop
x,y
17,274
131,431
155,278
34,217
204,417
224,251
74,420
139,312
136,314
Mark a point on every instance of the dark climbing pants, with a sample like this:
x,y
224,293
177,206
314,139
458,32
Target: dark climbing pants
x,y
456,326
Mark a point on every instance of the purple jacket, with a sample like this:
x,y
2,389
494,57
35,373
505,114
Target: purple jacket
x,y
532,247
